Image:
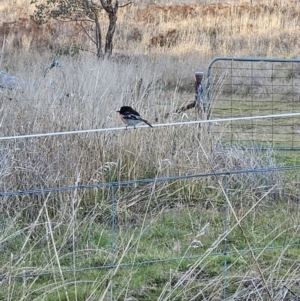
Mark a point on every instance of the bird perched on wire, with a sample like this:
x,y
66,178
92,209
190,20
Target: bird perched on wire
x,y
131,117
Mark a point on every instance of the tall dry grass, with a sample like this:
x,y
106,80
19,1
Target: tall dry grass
x,y
261,28
152,69
88,99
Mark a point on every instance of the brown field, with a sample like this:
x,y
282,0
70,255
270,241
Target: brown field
x,y
264,28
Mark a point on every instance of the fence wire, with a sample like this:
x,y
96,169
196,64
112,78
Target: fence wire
x,y
226,234
212,242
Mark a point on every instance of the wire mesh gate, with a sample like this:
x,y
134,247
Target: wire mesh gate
x,y
255,86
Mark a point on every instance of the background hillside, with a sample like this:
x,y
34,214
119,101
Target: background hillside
x,y
264,28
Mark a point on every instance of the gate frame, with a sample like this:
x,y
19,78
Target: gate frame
x,y
208,100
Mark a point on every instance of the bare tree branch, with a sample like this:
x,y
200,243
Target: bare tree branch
x,y
186,107
81,11
123,5
86,32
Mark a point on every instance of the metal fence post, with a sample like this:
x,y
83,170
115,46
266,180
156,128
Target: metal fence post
x,y
226,220
113,216
200,89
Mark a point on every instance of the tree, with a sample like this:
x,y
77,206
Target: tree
x,y
84,12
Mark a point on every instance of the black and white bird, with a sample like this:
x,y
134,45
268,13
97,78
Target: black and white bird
x,y
131,117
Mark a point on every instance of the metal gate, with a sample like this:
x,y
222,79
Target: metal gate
x,y
254,86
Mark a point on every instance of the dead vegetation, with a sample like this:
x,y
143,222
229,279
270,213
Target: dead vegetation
x,y
167,39
158,13
166,13
219,28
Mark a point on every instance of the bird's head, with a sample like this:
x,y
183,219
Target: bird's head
x,y
126,109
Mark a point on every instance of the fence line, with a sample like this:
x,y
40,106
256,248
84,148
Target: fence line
x,y
110,185
145,262
111,266
285,115
146,181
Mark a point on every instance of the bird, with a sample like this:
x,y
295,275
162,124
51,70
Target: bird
x,y
54,63
131,117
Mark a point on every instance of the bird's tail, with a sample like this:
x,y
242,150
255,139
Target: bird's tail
x,y
146,122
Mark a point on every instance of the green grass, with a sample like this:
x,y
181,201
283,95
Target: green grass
x,y
277,132
148,249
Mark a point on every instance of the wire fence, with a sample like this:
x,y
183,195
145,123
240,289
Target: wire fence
x,y
255,86
225,235
228,234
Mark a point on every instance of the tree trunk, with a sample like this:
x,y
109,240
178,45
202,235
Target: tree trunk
x,y
110,33
112,15
98,38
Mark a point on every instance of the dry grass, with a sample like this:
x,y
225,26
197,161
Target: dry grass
x,y
89,99
157,50
265,28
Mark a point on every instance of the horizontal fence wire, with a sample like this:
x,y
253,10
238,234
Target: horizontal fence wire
x,y
146,262
206,121
146,181
228,104
112,266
